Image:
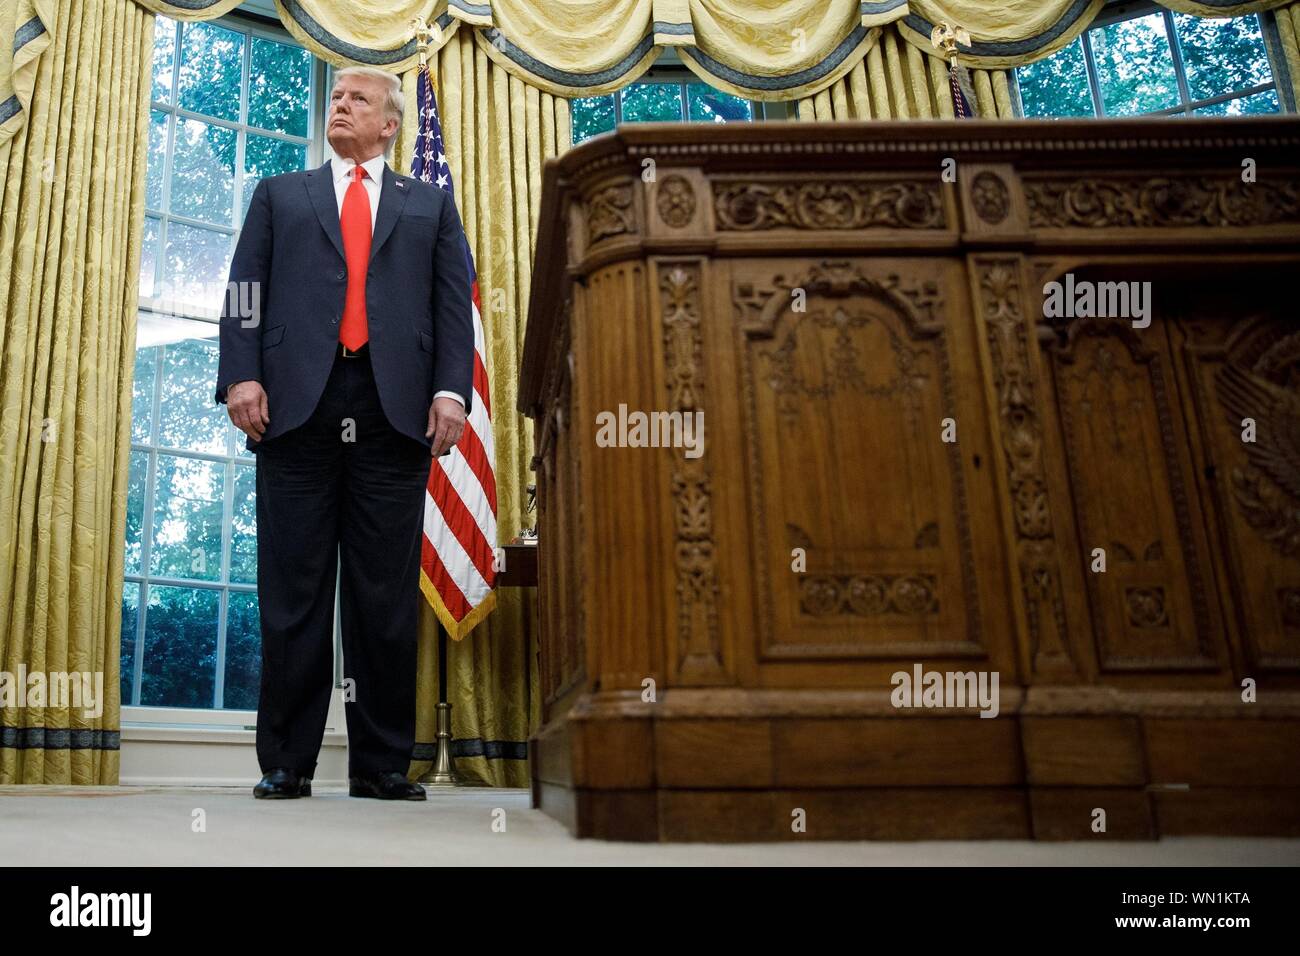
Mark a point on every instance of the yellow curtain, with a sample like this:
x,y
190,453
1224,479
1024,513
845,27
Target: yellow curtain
x,y
1288,32
71,218
498,131
24,36
897,81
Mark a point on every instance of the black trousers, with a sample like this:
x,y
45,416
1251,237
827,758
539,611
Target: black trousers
x,y
343,488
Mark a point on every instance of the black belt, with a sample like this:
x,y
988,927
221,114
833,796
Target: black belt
x,y
344,352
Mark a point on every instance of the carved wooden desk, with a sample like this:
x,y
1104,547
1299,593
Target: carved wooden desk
x,y
908,468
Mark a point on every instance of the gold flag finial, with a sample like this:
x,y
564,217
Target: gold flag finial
x,y
423,35
945,37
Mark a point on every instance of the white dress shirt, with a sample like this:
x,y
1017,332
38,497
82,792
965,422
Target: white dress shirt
x,y
373,182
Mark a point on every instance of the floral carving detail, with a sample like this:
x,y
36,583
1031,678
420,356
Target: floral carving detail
x,y
1022,444
1267,509
869,595
1146,607
696,565
848,204
675,201
1159,201
609,212
989,197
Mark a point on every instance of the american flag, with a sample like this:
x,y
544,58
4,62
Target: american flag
x,y
457,574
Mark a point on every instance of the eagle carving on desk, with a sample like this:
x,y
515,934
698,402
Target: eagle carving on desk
x,y
1268,392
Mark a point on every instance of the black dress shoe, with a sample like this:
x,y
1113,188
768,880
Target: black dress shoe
x,y
282,783
385,785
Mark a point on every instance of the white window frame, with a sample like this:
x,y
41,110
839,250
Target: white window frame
x,y
213,745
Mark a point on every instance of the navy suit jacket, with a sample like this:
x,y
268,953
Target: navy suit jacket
x,y
290,254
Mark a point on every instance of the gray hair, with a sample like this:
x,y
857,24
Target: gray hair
x,y
394,100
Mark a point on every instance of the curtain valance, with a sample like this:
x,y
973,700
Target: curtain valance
x,y
760,49
1015,32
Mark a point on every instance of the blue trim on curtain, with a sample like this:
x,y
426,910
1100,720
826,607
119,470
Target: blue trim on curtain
x,y
59,738
350,50
475,747
1013,47
674,29
474,9
28,32
880,6
564,77
191,5
25,34
808,75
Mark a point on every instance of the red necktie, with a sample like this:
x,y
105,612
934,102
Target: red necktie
x,y
354,221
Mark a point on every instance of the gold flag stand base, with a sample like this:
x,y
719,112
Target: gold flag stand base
x,y
443,772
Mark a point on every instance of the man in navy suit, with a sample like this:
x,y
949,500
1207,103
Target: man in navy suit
x,y
347,355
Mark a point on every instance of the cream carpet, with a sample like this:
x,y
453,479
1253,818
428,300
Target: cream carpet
x,y
146,826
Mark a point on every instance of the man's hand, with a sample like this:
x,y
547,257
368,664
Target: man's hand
x,y
446,424
246,404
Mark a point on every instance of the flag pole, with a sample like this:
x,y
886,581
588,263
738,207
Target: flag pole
x,y
443,771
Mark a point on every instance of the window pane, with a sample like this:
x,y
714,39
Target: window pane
x,y
188,418
1222,56
187,518
243,652
197,266
153,190
203,172
279,87
1134,66
714,106
146,361
243,530
130,617
652,102
180,647
212,63
264,156
164,58
135,493
592,115
1058,85
149,255
1265,102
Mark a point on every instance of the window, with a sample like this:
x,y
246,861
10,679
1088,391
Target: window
x,y
214,133
233,101
1142,60
662,97
190,596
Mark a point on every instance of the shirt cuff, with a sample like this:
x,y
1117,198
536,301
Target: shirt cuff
x,y
446,394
